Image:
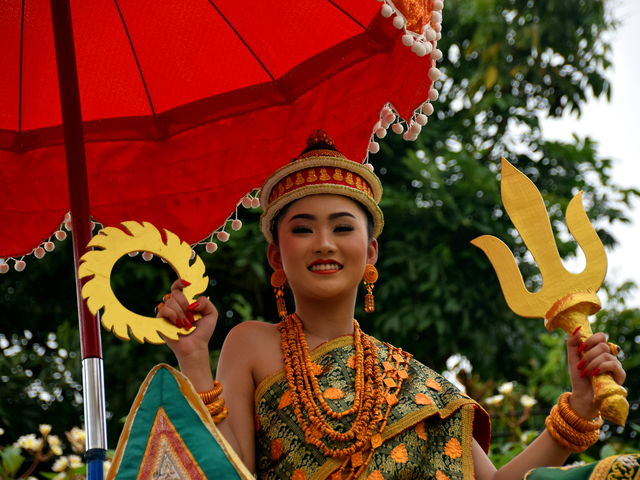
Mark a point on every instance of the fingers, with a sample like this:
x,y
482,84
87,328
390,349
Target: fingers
x,y
176,307
596,358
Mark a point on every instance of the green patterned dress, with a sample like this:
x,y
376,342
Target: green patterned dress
x,y
428,436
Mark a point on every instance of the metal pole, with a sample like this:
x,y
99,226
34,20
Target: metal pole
x,y
90,344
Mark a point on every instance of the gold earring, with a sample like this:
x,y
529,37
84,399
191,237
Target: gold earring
x,y
278,279
369,278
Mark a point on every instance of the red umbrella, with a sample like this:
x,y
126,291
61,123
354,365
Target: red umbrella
x,y
187,106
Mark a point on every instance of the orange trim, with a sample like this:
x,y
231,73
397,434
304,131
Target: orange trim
x,y
319,176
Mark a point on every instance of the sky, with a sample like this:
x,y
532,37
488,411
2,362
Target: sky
x,y
615,125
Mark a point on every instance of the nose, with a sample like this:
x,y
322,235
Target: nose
x,y
324,241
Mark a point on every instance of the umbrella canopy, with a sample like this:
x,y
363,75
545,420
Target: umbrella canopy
x,y
188,106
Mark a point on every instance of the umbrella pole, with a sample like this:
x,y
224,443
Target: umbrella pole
x,y
90,344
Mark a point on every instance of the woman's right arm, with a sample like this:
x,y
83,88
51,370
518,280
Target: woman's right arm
x,y
234,368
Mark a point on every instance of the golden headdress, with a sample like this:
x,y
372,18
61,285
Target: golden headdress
x,y
320,169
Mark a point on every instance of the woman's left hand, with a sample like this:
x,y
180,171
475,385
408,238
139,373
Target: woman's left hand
x,y
587,359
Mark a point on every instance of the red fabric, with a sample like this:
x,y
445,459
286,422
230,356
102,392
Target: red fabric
x,y
217,95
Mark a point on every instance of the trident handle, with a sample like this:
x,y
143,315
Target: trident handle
x,y
573,313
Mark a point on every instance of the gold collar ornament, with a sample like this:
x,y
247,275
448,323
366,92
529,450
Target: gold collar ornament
x,y
112,243
566,299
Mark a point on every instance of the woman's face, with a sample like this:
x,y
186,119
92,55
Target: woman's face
x,y
323,246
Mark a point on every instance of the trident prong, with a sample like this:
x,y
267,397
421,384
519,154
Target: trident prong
x,y
565,299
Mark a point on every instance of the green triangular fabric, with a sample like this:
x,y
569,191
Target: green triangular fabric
x,y
169,434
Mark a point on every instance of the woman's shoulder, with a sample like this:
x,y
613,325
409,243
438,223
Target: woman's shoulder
x,y
252,331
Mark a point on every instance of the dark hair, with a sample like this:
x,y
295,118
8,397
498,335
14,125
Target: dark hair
x,y
283,211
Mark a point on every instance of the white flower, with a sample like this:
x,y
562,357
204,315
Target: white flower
x,y
506,388
75,461
45,429
527,402
77,434
30,442
1,431
495,400
60,465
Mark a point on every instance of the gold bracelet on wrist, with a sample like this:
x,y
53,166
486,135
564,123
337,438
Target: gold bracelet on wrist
x,y
210,395
213,402
569,429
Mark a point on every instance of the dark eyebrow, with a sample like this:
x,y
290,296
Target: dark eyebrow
x,y
333,216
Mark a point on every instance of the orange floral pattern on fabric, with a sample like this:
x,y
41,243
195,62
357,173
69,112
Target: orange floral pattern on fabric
x,y
431,383
333,393
421,431
298,475
277,449
441,476
375,475
285,399
399,454
422,399
453,449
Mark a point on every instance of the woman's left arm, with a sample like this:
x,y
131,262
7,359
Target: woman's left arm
x,y
585,359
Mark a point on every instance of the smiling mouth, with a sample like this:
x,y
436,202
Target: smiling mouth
x,y
324,267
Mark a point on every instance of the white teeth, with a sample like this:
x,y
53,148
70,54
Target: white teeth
x,y
324,266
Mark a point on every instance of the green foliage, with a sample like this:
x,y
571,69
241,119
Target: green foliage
x,y
11,461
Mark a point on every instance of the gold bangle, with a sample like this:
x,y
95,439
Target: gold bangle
x,y
220,416
569,429
211,395
570,416
216,406
569,433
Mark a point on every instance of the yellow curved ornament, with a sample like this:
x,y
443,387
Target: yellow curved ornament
x,y
110,245
565,299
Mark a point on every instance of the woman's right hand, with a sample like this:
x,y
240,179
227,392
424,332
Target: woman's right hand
x,y
177,311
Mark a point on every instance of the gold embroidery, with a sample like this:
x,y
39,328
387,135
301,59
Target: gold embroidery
x,y
312,177
349,178
299,179
358,183
288,183
324,176
337,175
280,189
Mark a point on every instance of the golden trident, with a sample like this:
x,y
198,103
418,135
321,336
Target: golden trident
x,y
566,299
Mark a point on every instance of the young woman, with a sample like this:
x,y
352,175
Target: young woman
x,y
313,396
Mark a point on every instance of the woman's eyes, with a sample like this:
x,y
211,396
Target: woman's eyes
x,y
336,229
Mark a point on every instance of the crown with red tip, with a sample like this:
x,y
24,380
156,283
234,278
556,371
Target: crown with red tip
x,y
320,169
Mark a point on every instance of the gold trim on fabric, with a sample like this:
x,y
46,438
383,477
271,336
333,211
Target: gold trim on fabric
x,y
468,469
192,397
601,470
